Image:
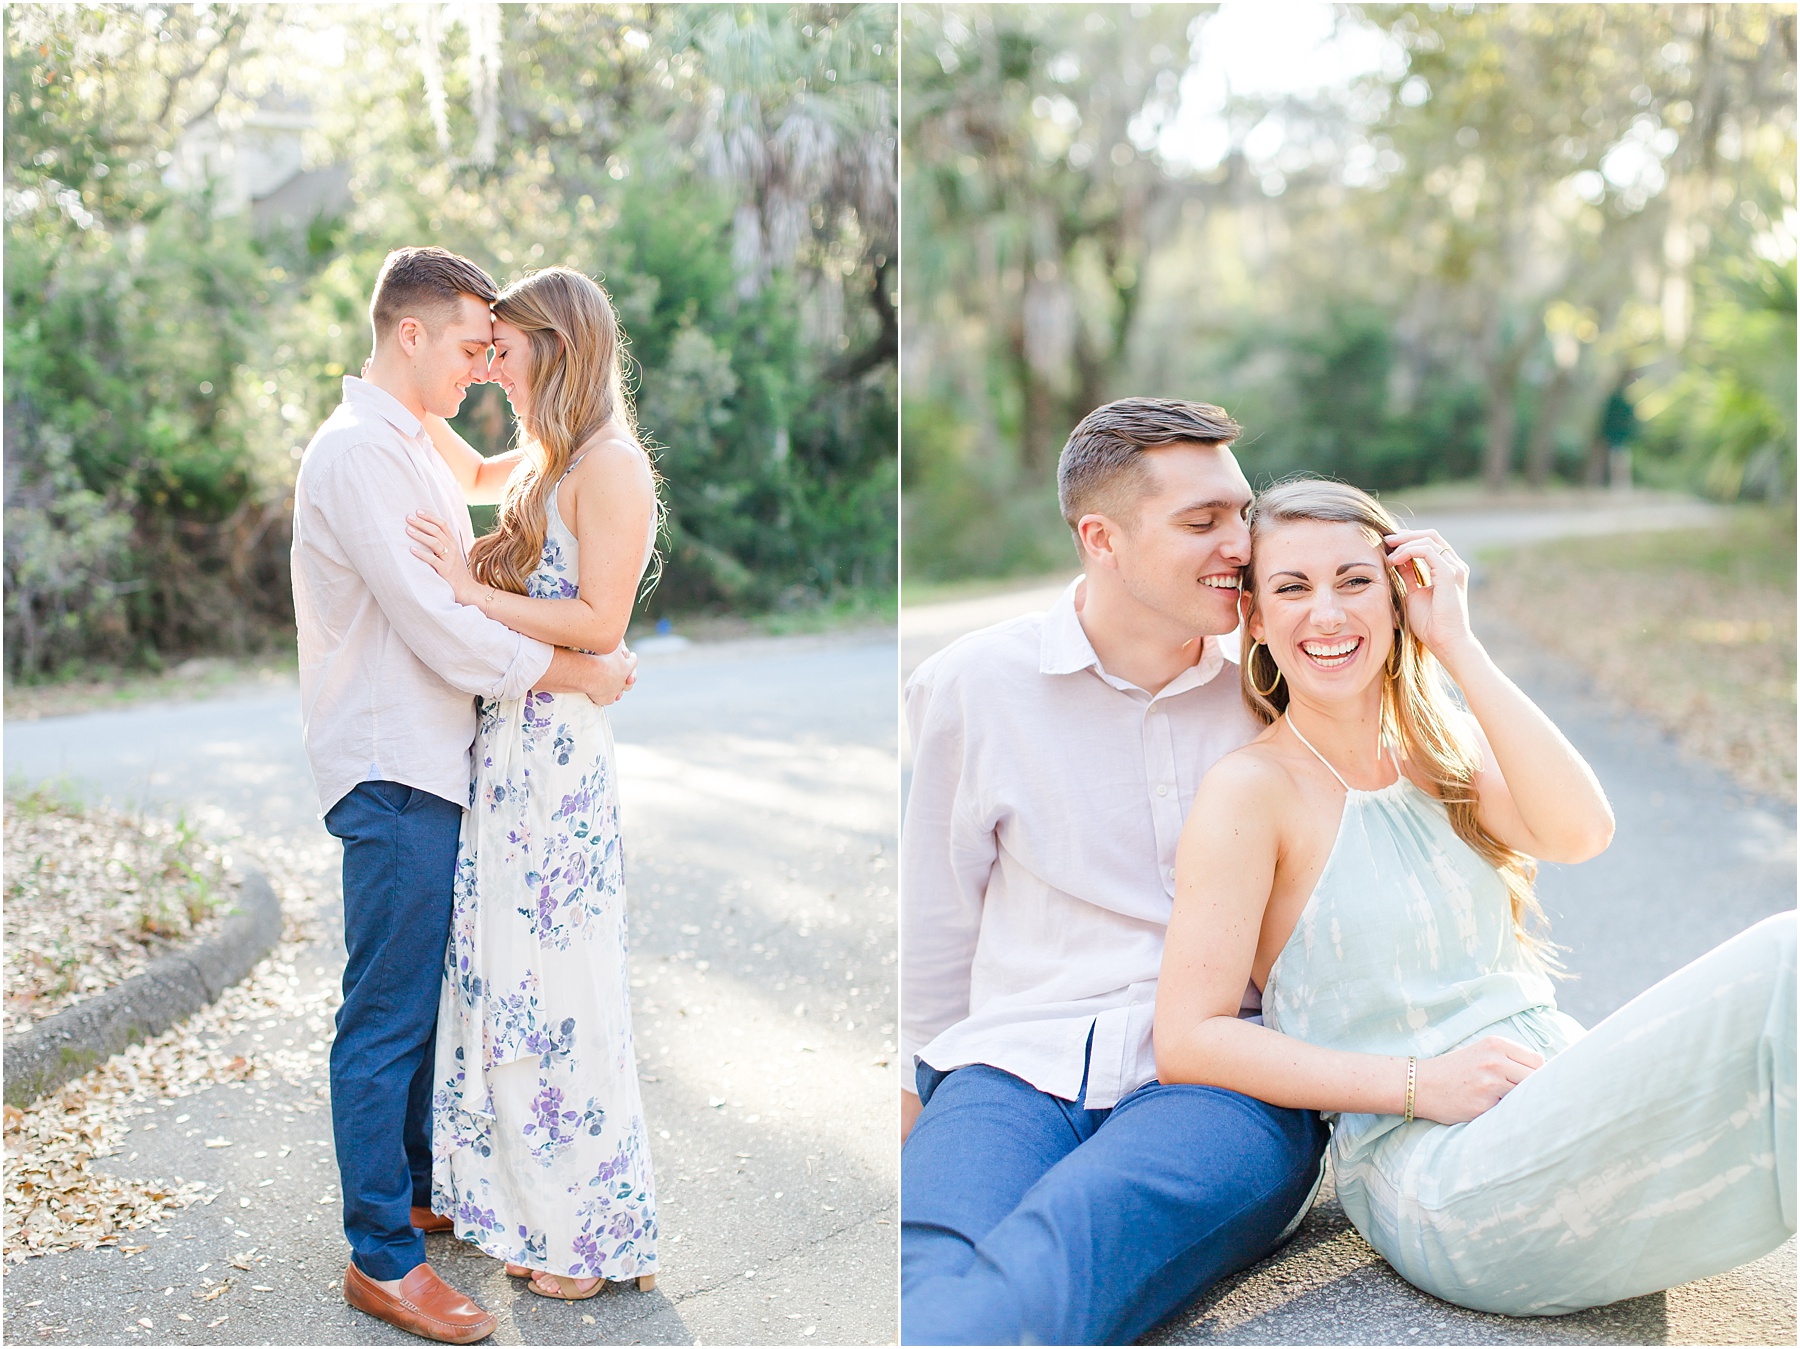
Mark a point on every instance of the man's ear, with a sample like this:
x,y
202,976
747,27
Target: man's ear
x,y
1096,535
1252,621
409,333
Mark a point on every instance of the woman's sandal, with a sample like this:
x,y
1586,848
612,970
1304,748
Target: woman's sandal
x,y
563,1288
645,1282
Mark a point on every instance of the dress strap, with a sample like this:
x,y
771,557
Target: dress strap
x,y
571,468
1320,757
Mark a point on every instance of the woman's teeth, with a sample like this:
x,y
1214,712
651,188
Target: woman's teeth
x,y
1331,654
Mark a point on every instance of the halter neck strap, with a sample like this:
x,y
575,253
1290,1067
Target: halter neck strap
x,y
1320,757
571,468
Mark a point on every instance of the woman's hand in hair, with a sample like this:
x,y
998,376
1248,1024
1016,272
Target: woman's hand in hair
x,y
1455,1087
1535,793
1437,610
442,552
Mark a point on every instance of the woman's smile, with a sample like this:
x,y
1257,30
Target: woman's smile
x,y
1330,653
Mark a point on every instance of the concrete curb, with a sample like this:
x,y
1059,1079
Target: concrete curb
x,y
175,985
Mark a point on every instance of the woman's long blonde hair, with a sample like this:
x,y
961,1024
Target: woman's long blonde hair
x,y
576,383
1417,715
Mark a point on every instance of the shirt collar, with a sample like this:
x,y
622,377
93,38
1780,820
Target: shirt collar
x,y
372,398
1064,648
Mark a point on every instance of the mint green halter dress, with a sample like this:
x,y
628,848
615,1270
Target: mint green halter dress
x,y
1654,1149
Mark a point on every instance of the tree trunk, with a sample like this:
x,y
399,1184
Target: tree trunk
x,y
1593,471
1502,418
1540,450
1038,424
885,347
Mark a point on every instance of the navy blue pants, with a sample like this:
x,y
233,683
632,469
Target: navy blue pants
x,y
1028,1219
399,866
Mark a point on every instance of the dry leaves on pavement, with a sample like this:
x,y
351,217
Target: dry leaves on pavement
x,y
56,1199
92,897
1694,630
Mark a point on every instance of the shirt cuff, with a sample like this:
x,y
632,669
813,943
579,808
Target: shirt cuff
x,y
527,667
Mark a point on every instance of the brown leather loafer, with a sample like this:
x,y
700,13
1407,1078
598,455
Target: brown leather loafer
x,y
425,1305
427,1221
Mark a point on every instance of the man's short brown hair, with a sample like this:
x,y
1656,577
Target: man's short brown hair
x,y
424,283
1101,469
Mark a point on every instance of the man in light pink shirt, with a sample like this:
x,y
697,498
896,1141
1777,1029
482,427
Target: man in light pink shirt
x,y
390,668
1052,1190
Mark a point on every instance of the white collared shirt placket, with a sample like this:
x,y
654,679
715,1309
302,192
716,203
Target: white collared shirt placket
x,y
390,663
1032,907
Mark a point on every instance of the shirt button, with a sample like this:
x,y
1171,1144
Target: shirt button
x,y
1162,789
1171,873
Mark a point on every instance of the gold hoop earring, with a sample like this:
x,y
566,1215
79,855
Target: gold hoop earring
x,y
1250,669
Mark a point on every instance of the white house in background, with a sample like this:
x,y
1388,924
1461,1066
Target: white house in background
x,y
256,161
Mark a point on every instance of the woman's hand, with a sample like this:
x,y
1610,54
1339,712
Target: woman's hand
x,y
1438,610
433,541
1456,1087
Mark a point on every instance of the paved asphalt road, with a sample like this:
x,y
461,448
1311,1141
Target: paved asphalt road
x,y
758,784
1694,861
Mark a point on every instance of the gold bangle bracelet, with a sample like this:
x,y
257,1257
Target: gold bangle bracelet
x,y
1412,1083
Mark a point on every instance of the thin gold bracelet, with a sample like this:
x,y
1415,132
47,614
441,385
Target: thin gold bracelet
x,y
1412,1083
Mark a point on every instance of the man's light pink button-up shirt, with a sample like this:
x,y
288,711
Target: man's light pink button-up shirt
x,y
390,663
1038,852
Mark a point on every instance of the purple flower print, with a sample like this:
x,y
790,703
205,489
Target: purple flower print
x,y
546,1111
539,984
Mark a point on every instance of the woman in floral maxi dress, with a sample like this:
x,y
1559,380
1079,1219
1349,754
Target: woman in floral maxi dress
x,y
539,1150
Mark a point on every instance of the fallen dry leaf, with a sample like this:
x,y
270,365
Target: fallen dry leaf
x,y
1707,651
55,1200
93,896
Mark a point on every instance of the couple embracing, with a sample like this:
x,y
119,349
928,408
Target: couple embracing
x,y
483,1078
1173,927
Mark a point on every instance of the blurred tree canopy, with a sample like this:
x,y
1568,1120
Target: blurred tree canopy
x,y
1448,257
728,172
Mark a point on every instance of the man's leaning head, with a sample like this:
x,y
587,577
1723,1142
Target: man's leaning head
x,y
429,312
1103,469
1156,502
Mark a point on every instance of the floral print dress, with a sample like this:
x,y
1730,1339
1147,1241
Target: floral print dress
x,y
539,1151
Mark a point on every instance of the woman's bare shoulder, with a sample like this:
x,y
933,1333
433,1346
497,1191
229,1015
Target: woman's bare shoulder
x,y
613,456
1258,773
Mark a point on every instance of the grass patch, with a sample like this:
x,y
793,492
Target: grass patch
x,y
849,612
917,593
93,896
1694,627
101,688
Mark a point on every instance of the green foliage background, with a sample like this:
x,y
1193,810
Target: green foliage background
x,y
1523,237
726,171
